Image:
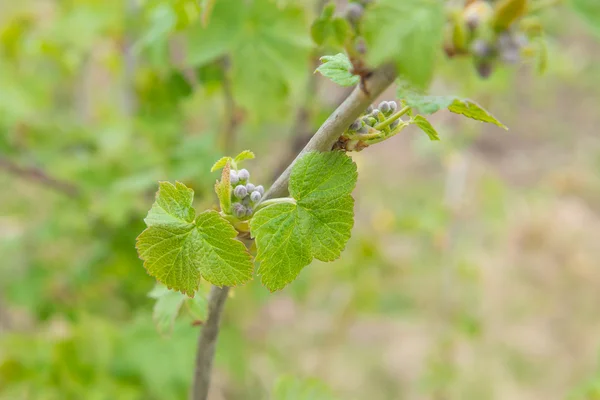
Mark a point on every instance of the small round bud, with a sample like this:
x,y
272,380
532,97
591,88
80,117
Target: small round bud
x,y
255,196
393,106
233,177
250,187
370,121
260,189
480,48
355,125
362,130
369,110
354,12
240,191
384,107
375,112
484,69
249,211
238,210
243,174
361,46
394,124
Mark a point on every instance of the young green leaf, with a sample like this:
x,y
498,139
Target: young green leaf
x,y
408,32
426,104
329,29
244,155
472,110
337,68
508,11
288,236
220,163
426,127
167,306
179,249
223,189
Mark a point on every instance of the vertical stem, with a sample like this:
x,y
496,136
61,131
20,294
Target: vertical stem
x,y
207,343
231,112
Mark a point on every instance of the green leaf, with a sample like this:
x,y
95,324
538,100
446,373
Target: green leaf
x,y
220,163
589,11
508,11
178,250
426,104
408,32
244,155
268,47
288,236
423,103
167,306
292,388
337,68
426,127
472,110
223,189
331,30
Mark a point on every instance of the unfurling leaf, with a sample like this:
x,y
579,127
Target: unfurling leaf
x,y
426,127
179,249
289,236
220,163
472,110
223,188
244,155
426,104
338,68
508,11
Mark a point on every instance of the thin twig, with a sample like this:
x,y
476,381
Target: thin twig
x,y
207,342
338,122
40,176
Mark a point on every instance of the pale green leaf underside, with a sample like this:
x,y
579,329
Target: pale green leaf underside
x,y
288,236
178,252
337,68
167,306
426,127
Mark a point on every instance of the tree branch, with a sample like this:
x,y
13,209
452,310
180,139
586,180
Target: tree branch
x,y
40,176
322,140
207,342
338,122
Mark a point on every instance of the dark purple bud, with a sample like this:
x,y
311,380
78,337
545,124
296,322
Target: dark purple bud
x,y
354,12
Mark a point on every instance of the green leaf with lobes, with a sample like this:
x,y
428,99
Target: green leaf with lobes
x,y
179,248
318,225
426,127
338,68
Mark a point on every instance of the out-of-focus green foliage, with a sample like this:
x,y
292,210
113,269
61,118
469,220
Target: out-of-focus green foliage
x,y
101,99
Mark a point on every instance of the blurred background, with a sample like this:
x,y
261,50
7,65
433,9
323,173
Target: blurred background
x,y
472,272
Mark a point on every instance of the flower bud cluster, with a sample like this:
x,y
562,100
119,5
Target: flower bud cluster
x,y
245,194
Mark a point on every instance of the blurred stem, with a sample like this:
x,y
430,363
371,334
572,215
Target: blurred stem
x,y
207,342
231,119
392,118
39,176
